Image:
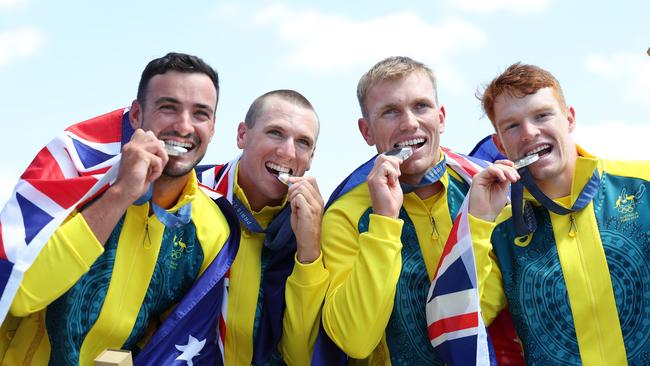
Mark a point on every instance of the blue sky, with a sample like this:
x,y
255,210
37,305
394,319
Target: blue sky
x,y
61,64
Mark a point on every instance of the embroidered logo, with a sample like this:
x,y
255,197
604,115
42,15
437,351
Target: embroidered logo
x,y
626,203
178,250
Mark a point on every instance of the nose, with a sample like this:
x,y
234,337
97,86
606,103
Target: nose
x,y
409,121
286,149
529,131
184,124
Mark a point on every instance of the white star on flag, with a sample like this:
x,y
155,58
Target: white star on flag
x,y
190,350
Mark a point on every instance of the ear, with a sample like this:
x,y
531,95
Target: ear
x,y
310,159
364,128
497,143
571,117
442,116
135,115
214,123
241,135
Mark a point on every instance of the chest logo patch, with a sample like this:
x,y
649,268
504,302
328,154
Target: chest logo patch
x,y
626,203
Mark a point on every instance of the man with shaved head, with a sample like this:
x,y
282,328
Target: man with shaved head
x,y
277,281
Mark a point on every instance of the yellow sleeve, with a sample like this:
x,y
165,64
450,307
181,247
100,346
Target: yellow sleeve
x,y
66,257
490,285
212,228
364,269
304,295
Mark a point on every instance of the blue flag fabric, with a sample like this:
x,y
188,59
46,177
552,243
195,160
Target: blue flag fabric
x,y
281,242
325,351
486,150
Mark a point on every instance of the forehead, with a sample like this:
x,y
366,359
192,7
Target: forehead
x,y
277,112
507,106
401,89
185,86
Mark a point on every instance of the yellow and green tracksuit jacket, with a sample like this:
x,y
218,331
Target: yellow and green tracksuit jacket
x,y
80,298
578,289
304,294
381,269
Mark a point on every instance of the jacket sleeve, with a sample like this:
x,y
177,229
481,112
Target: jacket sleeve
x,y
66,257
304,295
490,285
365,269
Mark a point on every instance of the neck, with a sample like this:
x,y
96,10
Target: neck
x,y
560,185
167,190
256,199
428,191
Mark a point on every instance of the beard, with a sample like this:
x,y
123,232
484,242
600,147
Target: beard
x,y
175,169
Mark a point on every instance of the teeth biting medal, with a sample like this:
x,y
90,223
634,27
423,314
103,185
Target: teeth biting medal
x,y
526,161
174,150
401,153
284,178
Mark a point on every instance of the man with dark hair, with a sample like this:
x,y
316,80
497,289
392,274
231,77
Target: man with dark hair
x,y
572,249
127,255
277,282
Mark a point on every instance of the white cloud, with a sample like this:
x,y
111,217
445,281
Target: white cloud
x,y
515,6
617,140
10,4
328,42
19,43
631,70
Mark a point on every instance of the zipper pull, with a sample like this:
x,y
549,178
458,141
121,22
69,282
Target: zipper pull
x,y
146,241
573,229
434,231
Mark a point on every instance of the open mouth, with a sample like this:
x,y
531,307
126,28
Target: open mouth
x,y
276,169
177,148
540,150
415,143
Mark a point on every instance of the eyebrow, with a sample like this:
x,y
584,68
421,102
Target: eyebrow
x,y
162,100
275,126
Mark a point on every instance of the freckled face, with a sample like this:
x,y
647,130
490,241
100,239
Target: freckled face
x,y
537,123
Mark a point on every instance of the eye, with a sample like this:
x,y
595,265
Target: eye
x,y
422,106
202,115
274,133
168,108
543,116
390,112
510,126
304,142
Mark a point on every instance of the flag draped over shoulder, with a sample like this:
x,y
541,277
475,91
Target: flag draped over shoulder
x,y
455,324
194,332
72,168
486,150
280,243
325,351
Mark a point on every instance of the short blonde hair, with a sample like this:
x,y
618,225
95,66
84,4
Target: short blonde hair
x,y
391,68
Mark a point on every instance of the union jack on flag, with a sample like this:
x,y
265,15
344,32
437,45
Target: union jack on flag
x,y
71,169
454,320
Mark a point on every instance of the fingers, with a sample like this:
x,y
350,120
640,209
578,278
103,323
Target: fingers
x,y
385,171
145,146
142,162
304,194
502,171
